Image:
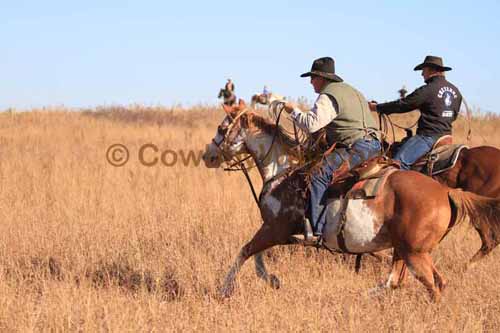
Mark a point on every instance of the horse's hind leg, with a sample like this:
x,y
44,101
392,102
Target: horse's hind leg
x,y
487,245
263,239
260,269
396,276
439,279
422,267
398,272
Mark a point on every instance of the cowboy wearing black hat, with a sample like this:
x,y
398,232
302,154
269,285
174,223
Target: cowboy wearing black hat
x,y
439,103
343,113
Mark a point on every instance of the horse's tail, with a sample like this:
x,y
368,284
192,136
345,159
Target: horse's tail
x,y
483,214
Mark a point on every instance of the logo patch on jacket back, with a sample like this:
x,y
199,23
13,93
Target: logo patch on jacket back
x,y
446,90
447,114
448,95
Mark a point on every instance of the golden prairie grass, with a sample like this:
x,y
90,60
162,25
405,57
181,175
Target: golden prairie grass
x,y
92,247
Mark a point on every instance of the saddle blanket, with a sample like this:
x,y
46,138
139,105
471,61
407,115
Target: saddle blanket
x,y
352,226
441,159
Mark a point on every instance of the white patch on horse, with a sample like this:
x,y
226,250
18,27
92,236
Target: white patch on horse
x,y
272,204
360,231
271,170
274,162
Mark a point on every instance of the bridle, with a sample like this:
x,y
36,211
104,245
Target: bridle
x,y
223,132
236,164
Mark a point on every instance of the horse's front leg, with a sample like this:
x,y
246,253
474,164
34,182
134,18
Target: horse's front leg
x,y
260,269
262,240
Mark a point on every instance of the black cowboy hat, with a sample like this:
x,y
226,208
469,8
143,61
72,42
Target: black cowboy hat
x,y
433,62
324,67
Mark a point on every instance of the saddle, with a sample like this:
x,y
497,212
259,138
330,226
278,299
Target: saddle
x,y
364,181
442,157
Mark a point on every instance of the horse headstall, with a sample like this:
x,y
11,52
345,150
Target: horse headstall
x,y
225,133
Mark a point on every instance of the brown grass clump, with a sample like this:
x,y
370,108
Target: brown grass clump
x,y
85,246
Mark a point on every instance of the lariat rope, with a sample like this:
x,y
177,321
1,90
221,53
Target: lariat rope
x,y
469,120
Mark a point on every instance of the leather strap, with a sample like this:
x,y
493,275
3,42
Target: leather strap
x,y
343,219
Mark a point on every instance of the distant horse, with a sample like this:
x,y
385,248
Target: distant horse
x,y
228,96
265,99
412,214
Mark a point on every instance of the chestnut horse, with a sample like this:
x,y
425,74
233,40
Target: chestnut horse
x,y
476,170
412,215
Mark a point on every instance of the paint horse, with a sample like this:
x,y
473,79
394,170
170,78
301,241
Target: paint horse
x,y
413,213
265,99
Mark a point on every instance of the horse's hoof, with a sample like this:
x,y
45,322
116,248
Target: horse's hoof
x,y
470,265
436,297
377,291
274,282
442,286
226,291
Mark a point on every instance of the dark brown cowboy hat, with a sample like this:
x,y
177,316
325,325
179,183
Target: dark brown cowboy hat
x,y
433,62
324,67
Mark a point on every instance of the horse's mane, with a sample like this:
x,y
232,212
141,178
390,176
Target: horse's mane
x,y
267,127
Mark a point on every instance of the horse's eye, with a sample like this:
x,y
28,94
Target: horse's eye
x,y
222,130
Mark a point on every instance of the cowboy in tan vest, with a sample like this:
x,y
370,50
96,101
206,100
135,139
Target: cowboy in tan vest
x,y
343,112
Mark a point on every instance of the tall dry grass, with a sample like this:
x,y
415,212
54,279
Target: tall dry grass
x,y
88,246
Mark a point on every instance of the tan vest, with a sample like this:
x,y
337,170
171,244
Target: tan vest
x,y
354,120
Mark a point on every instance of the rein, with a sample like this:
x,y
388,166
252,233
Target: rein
x,y
385,118
245,172
393,124
239,165
384,122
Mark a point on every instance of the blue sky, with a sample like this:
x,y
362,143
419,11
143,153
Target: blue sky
x,y
88,53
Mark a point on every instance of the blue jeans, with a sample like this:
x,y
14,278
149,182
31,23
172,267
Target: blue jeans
x,y
416,147
359,152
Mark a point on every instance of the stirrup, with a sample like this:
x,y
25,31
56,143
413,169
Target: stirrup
x,y
308,231
308,238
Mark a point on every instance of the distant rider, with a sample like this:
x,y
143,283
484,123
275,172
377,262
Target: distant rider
x,y
228,93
